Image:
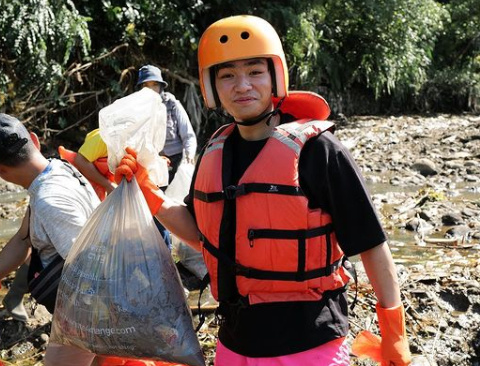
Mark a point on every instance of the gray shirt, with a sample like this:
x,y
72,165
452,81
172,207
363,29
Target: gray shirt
x,y
180,135
59,206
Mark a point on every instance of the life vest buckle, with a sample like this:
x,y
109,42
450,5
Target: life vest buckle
x,y
231,192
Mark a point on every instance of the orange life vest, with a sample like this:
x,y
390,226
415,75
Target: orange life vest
x,y
284,251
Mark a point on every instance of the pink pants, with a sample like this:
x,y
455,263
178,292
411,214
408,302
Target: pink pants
x,y
334,353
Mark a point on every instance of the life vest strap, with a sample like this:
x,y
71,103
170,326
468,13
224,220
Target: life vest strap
x,y
289,234
240,270
233,191
217,253
260,274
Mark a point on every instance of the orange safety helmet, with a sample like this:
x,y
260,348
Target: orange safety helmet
x,y
237,38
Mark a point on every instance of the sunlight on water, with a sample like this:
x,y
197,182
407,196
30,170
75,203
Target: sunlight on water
x,y
8,228
6,197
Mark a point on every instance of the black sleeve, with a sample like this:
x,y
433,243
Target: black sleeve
x,y
189,202
332,181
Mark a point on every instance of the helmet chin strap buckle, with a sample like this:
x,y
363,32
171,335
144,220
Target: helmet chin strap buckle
x,y
254,121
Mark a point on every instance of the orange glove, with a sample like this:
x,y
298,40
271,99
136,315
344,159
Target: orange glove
x,y
390,350
128,168
367,345
395,350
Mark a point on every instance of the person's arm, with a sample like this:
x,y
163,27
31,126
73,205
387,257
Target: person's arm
x,y
339,188
178,220
381,272
186,133
16,251
90,172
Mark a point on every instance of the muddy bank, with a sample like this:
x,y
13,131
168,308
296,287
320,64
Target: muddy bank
x,y
424,175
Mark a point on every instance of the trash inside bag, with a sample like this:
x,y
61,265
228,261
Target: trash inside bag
x,y
177,190
120,292
138,120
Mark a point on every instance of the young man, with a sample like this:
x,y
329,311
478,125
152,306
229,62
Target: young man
x,y
180,139
277,203
61,200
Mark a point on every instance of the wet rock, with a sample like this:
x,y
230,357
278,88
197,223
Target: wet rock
x,y
458,231
468,212
452,219
425,167
472,178
413,224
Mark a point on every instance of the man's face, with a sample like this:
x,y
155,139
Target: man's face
x,y
244,88
152,85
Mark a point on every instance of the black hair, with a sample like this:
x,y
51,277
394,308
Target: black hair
x,y
18,157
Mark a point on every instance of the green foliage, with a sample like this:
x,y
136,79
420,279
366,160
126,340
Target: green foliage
x,y
460,42
39,39
61,61
386,46
454,79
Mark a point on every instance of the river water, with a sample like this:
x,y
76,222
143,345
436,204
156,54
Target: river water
x,y
403,243
9,226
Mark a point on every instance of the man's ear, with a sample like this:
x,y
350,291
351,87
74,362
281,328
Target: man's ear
x,y
35,140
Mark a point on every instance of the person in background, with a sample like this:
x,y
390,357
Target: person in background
x,y
181,141
91,161
276,206
61,201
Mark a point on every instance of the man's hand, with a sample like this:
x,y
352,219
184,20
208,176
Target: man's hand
x,y
167,160
129,168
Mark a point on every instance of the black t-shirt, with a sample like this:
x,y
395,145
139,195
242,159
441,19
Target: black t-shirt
x,y
332,181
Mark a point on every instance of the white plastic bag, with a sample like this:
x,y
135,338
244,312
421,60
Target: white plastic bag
x,y
138,120
120,292
177,190
180,185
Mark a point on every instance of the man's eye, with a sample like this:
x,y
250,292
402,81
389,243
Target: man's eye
x,y
225,76
257,72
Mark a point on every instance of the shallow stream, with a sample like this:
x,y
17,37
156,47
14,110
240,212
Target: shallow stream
x,y
9,226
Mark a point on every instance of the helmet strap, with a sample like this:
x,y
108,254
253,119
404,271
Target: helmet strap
x,y
268,115
271,68
254,121
275,111
213,87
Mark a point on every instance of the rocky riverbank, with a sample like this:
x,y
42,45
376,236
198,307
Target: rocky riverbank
x,y
424,175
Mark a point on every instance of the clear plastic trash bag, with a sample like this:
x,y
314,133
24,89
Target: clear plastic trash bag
x,y
120,292
138,120
180,185
177,190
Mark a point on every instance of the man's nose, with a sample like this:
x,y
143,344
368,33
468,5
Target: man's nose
x,y
243,83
